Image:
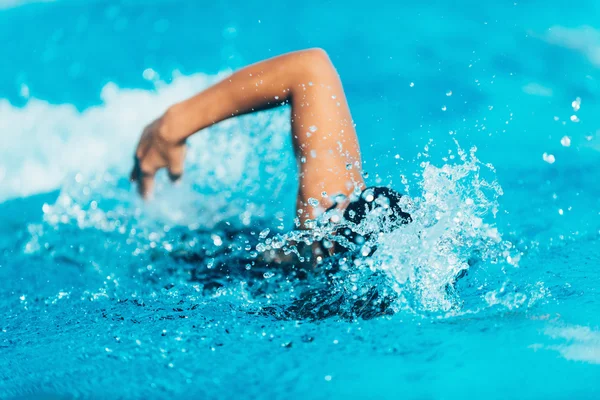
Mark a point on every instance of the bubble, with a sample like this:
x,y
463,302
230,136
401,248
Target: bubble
x,y
565,141
268,275
576,104
574,118
312,128
449,93
412,84
444,108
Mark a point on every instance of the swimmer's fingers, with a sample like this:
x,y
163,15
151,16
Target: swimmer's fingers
x,y
146,184
135,172
176,161
144,171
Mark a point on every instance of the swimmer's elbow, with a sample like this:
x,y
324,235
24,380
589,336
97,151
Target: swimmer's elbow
x,y
316,62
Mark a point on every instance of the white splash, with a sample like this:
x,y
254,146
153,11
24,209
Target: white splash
x,y
452,221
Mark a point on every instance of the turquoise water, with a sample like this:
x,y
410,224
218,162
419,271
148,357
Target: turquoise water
x,y
485,113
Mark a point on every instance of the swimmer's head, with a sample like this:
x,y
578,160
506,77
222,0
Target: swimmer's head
x,y
380,202
381,199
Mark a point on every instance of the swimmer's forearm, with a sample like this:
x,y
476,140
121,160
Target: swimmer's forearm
x,y
261,86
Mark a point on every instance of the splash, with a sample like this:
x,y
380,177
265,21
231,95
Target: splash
x,y
227,217
414,267
453,229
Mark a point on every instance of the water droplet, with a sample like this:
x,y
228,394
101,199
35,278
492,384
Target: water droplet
x,y
549,158
313,153
348,166
310,224
313,202
312,128
264,233
149,74
217,241
328,378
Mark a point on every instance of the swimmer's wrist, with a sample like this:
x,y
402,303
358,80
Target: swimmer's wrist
x,y
177,124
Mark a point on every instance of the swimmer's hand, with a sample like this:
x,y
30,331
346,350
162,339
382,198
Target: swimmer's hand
x,y
158,148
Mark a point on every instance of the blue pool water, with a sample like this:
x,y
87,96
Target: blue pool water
x,y
470,107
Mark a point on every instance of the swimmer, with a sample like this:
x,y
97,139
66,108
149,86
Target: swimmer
x,y
323,133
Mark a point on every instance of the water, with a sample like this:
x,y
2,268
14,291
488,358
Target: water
x,y
471,109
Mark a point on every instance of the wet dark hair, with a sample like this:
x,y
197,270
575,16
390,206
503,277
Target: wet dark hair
x,y
378,197
369,200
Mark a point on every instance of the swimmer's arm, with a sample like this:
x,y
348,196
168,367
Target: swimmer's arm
x,y
305,79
